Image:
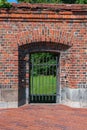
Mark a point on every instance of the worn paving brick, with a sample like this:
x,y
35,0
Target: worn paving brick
x,y
43,117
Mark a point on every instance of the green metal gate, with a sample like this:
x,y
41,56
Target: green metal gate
x,y
43,81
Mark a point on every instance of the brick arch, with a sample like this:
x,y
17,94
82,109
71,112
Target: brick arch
x,y
43,33
44,47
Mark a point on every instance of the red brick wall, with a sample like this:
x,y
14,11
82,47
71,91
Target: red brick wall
x,y
63,28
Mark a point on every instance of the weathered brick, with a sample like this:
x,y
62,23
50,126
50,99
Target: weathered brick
x,y
57,28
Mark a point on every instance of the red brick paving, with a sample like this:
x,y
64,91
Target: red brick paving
x,y
43,117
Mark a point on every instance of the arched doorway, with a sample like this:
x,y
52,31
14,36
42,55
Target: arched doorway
x,y
39,78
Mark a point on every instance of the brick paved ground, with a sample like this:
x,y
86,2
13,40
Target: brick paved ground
x,y
43,117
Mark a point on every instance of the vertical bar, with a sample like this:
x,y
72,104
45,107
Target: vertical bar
x,y
36,76
57,79
52,78
41,85
32,69
46,77
49,77
29,78
35,79
43,79
39,90
52,86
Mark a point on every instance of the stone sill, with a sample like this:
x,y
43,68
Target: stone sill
x,y
74,104
8,104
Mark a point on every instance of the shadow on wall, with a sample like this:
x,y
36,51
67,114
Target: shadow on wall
x,y
22,77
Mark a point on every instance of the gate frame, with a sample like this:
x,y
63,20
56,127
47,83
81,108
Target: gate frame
x,y
58,86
